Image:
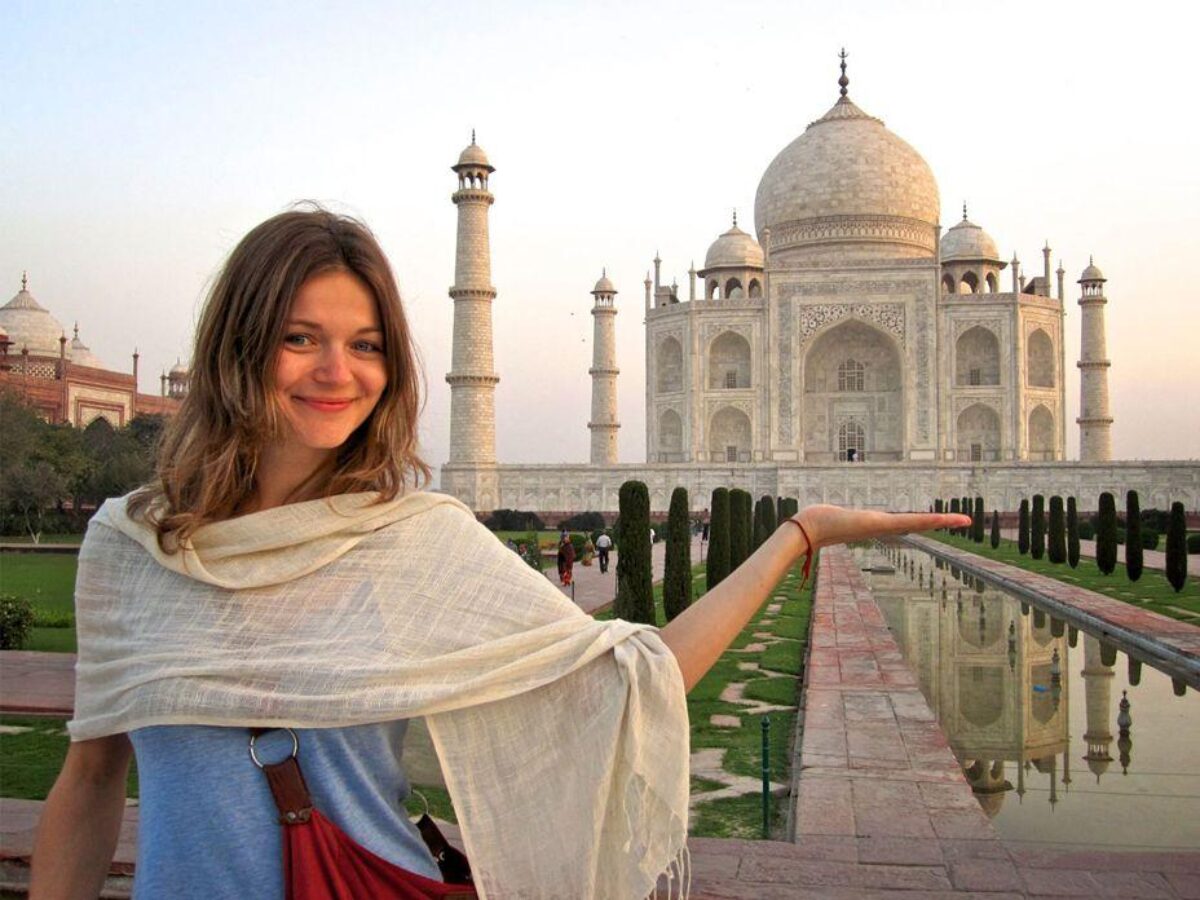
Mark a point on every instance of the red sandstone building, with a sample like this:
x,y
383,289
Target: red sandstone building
x,y
63,379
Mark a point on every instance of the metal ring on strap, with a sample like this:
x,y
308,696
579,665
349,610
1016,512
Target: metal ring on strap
x,y
295,745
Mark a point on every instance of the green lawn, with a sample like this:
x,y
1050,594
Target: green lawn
x,y
46,539
741,817
47,580
1151,591
30,760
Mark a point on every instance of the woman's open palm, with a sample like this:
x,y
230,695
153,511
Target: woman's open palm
x,y
827,525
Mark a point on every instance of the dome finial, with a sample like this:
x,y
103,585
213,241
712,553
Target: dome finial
x,y
472,137
76,331
964,210
843,81
24,281
735,218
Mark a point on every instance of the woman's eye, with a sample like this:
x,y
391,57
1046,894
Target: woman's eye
x,y
367,347
297,340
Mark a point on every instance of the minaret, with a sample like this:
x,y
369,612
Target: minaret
x,y
472,379
1097,691
604,371
1095,423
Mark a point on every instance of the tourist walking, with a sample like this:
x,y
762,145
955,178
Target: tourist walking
x,y
603,545
566,559
283,594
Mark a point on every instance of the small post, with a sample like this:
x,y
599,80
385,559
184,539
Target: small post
x,y
766,777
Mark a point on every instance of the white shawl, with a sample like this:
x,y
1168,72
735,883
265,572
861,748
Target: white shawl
x,y
563,740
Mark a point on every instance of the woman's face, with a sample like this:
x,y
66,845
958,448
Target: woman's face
x,y
330,371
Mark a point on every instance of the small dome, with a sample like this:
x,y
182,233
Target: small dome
x,y
474,157
29,325
734,250
967,242
1092,273
604,286
80,355
178,369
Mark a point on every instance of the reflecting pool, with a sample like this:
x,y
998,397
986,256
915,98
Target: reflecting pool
x,y
1064,739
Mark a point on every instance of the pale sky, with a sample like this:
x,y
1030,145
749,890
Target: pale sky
x,y
139,141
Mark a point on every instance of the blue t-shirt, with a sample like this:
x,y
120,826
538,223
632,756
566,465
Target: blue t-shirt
x,y
208,826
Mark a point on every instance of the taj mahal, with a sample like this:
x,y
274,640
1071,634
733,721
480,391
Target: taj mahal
x,y
850,352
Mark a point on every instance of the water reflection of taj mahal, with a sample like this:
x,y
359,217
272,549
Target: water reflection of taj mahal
x,y
998,677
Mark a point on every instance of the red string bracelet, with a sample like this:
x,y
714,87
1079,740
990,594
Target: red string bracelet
x,y
808,553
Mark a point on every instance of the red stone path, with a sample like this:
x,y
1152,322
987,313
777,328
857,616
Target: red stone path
x,y
882,810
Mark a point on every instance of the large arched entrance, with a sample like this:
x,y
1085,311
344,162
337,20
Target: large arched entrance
x,y
1041,434
853,395
978,434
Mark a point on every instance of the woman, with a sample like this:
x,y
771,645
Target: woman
x,y
283,571
566,559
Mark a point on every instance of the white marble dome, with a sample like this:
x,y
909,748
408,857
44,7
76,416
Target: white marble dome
x,y
1092,272
734,249
29,325
966,241
474,156
847,179
79,353
604,285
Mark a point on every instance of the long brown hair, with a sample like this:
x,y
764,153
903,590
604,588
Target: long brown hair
x,y
210,452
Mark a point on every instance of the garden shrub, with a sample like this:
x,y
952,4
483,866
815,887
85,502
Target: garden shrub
x,y
1133,537
977,521
1177,548
584,521
717,561
514,520
1087,530
1072,533
1056,547
1023,528
1037,527
635,592
677,574
1106,534
16,620
995,536
1193,543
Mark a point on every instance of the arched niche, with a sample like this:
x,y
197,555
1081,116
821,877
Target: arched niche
x,y
669,366
992,285
981,694
729,361
733,289
670,432
980,626
828,405
948,283
969,283
755,289
978,433
729,435
977,357
1039,359
1041,433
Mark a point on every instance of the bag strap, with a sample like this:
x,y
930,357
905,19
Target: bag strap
x,y
295,805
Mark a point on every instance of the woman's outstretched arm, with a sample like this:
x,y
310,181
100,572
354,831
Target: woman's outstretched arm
x,y
702,632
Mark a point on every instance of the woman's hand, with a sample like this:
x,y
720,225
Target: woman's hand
x,y
827,525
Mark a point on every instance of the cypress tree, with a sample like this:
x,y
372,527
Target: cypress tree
x,y
717,563
1177,548
635,592
677,576
995,528
1037,531
1023,528
967,510
977,521
764,520
1106,534
740,527
954,501
1133,537
1056,548
1072,533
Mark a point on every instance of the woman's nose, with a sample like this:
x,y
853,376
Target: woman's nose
x,y
333,367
